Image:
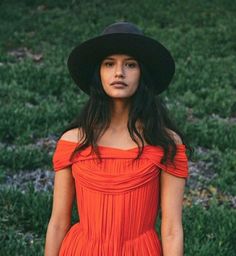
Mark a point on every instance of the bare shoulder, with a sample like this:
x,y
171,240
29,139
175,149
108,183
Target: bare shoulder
x,y
175,136
73,135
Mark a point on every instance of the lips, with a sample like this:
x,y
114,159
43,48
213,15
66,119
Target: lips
x,y
119,82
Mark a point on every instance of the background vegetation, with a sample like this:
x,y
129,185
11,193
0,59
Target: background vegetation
x,y
38,99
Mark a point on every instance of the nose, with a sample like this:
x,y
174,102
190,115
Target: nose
x,y
119,71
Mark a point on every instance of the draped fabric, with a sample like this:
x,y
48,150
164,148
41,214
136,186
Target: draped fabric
x,y
117,199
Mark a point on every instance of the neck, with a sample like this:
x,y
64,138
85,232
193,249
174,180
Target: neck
x,y
119,113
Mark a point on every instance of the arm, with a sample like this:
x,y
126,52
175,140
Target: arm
x,y
60,221
63,198
171,200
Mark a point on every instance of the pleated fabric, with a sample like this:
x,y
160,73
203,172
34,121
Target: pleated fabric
x,y
117,199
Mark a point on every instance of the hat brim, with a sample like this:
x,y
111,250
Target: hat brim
x,y
153,54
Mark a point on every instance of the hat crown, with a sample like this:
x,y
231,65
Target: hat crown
x,y
122,27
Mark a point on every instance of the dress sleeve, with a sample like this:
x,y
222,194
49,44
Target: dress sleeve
x,y
180,166
62,153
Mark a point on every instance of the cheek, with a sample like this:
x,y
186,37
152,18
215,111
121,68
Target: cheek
x,y
105,79
136,79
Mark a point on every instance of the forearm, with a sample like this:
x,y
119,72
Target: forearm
x,y
54,238
172,245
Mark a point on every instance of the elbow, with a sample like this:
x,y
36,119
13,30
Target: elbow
x,y
60,226
172,231
172,236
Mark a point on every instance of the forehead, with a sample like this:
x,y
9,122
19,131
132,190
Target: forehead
x,y
120,56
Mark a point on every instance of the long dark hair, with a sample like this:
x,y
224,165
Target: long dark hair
x,y
145,106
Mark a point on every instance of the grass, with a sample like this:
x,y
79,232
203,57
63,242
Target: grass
x,y
36,91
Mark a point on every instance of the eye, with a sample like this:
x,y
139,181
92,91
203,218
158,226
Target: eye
x,y
131,64
108,64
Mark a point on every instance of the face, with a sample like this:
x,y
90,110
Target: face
x,y
120,75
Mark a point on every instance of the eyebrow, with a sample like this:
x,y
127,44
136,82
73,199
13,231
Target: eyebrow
x,y
110,58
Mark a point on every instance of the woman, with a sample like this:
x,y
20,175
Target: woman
x,y
123,156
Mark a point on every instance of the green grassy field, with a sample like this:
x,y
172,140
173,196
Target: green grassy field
x,y
38,99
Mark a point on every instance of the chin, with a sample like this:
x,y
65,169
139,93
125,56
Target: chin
x,y
119,95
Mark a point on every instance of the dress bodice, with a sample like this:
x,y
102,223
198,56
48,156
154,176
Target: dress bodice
x,y
117,198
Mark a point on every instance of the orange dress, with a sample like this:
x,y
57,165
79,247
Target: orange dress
x,y
117,199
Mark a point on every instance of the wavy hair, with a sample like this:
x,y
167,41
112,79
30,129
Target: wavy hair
x,y
145,106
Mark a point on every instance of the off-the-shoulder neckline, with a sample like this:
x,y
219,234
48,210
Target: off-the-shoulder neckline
x,y
114,148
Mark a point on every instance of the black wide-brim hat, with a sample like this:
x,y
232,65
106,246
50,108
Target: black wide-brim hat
x,y
126,38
